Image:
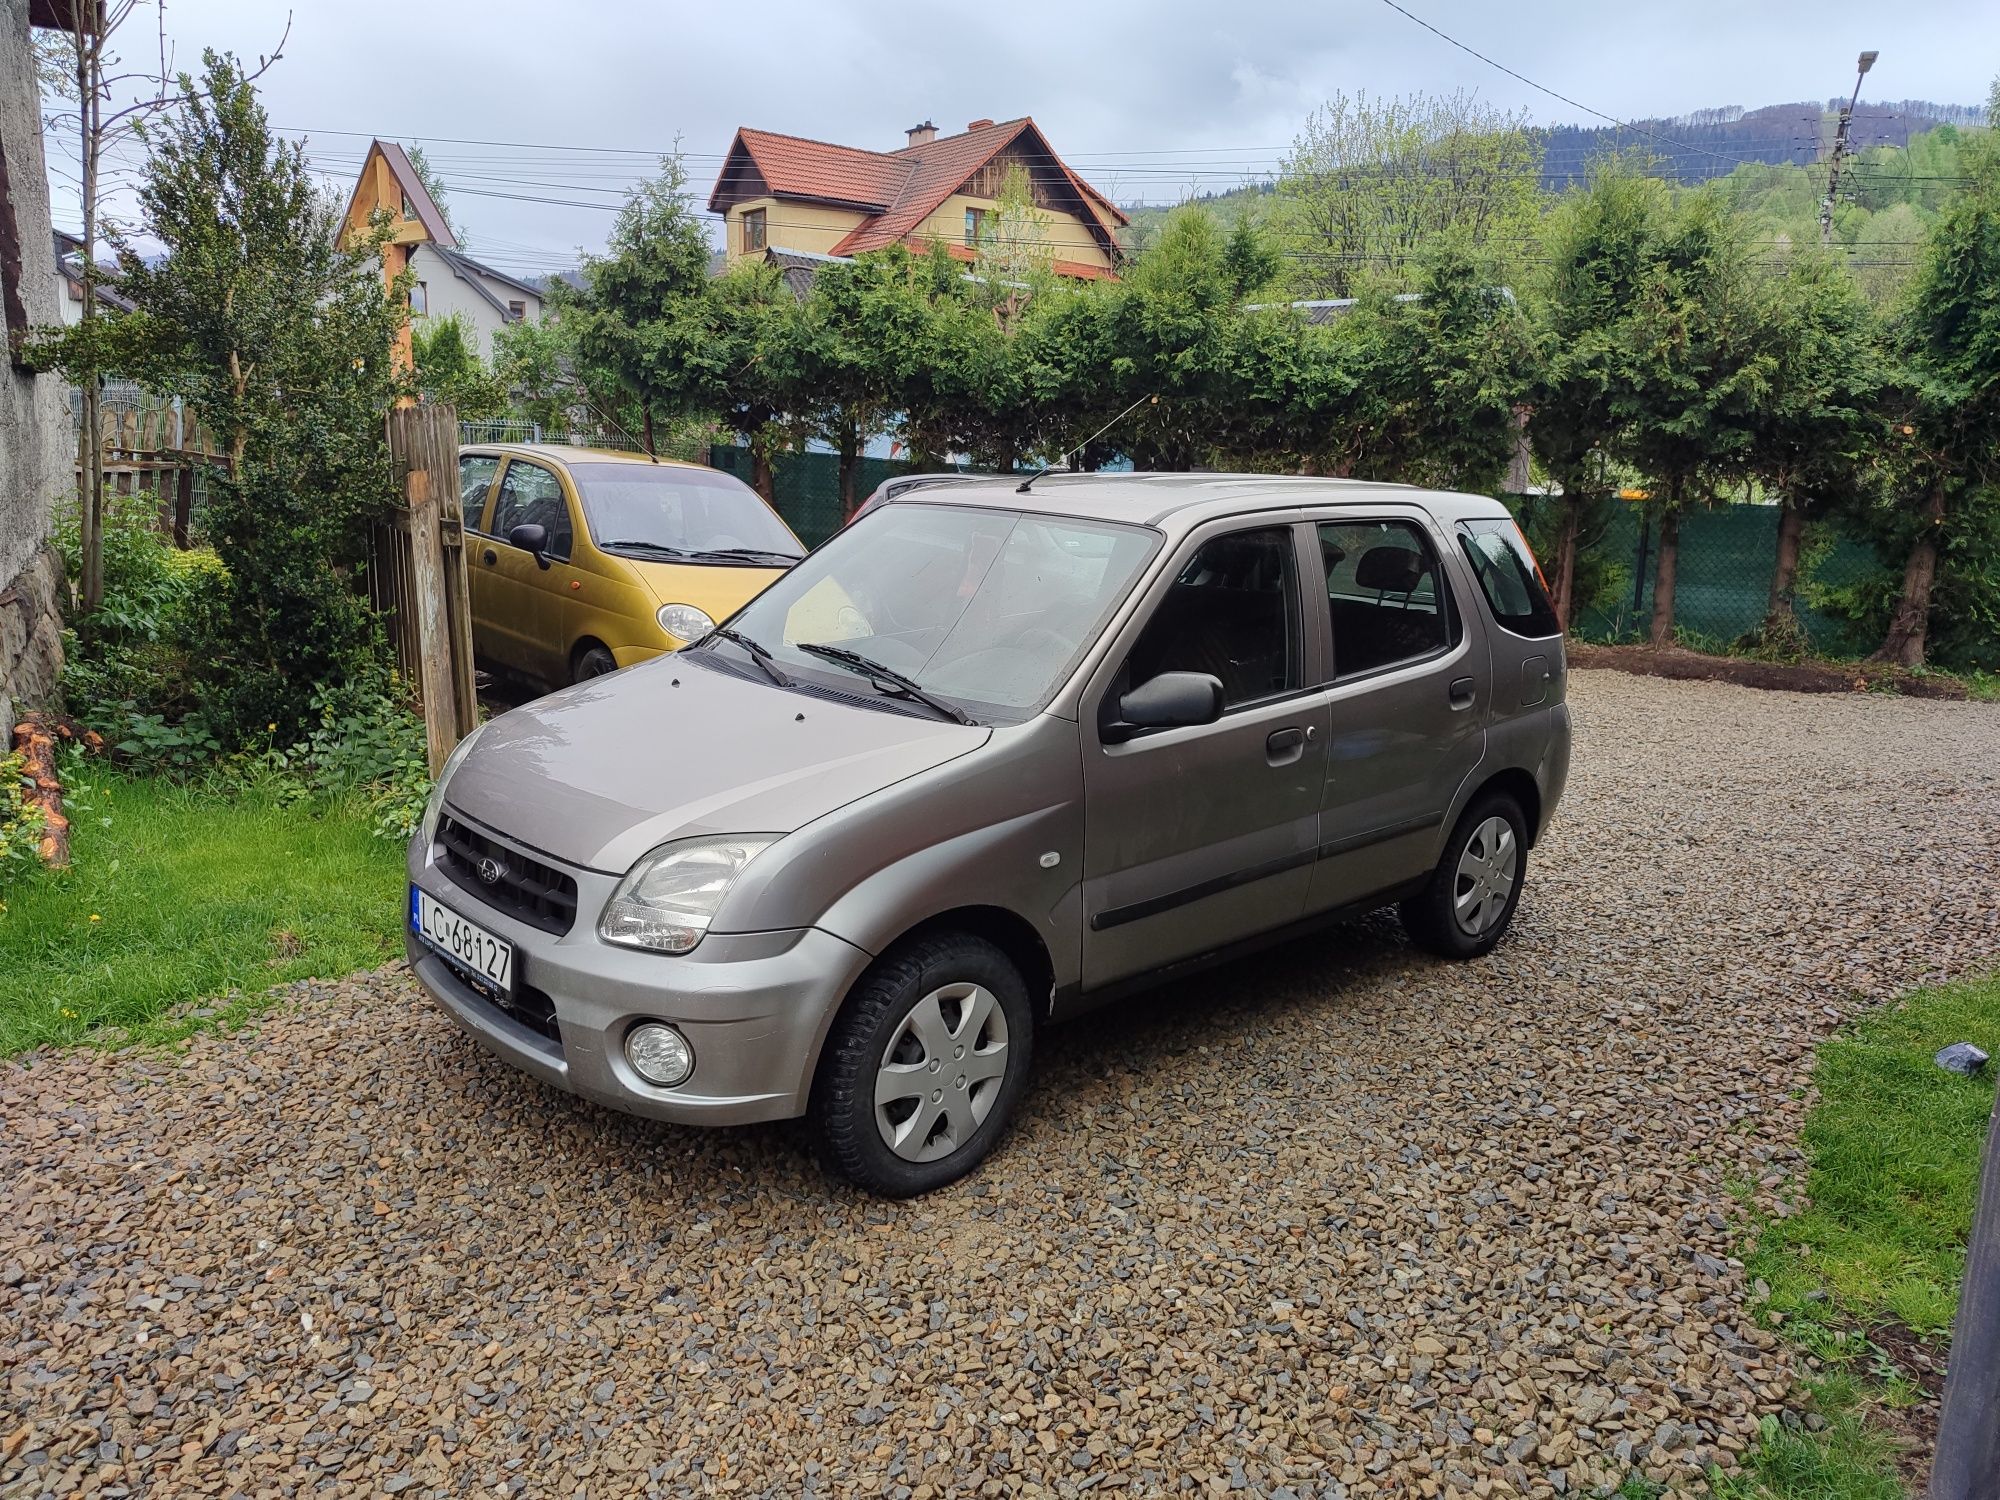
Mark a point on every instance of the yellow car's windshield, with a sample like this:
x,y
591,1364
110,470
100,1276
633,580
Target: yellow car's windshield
x,y
668,510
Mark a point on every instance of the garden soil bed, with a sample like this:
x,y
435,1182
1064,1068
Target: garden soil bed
x,y
1786,677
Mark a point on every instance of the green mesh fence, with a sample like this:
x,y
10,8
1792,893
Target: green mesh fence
x,y
1723,584
806,486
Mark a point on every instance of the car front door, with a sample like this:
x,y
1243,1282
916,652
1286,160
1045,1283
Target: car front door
x,y
1198,835
1408,691
518,604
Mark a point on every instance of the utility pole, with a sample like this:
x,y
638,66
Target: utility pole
x,y
1840,150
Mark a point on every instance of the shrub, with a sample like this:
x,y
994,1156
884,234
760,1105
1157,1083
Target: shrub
x,y
132,664
367,740
20,822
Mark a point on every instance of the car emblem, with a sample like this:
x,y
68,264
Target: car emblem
x,y
490,870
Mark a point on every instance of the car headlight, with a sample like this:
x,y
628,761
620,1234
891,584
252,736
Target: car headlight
x,y
684,622
670,896
434,806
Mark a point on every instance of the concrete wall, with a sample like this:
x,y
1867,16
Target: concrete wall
x,y
35,436
446,294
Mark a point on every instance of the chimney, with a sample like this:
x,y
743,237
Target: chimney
x,y
978,124
922,135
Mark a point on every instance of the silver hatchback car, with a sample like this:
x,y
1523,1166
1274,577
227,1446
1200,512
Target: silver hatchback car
x,y
988,758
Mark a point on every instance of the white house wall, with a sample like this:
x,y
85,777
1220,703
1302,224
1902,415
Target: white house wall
x,y
446,294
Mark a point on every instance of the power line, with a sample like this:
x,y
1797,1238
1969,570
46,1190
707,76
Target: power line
x,y
1572,103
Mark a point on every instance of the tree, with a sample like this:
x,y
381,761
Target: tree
x,y
1370,182
1584,378
1701,373
1817,437
639,312
449,371
535,362
434,185
1014,257
102,124
1949,344
277,333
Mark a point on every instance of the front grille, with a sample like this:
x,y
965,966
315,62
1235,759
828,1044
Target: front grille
x,y
523,887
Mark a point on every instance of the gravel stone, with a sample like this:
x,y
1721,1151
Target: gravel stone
x,y
1337,1220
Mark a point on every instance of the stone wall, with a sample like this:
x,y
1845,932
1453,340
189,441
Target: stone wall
x,y
30,637
36,454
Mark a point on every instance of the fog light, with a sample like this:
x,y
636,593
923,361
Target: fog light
x,y
659,1054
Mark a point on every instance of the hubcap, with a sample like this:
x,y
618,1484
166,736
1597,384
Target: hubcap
x,y
941,1072
1486,874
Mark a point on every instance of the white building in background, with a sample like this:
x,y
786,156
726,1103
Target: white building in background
x,y
450,281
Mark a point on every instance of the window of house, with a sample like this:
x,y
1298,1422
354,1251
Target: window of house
x,y
409,208
420,299
1233,612
516,311
975,225
753,229
475,478
528,493
1389,601
1508,577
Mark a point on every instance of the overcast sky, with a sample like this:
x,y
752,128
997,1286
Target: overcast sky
x,y
1148,101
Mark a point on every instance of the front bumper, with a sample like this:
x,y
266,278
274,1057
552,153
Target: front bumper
x,y
755,1007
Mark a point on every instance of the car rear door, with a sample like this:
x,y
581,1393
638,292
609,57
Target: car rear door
x,y
1200,835
1408,691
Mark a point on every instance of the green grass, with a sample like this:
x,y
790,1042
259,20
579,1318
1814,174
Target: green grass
x,y
177,894
1894,1143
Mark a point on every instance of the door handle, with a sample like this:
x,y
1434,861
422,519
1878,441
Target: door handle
x,y
1283,746
1461,692
492,557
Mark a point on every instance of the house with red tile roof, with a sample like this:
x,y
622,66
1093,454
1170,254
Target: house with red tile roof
x,y
783,192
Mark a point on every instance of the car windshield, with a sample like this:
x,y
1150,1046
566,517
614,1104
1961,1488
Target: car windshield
x,y
675,508
988,609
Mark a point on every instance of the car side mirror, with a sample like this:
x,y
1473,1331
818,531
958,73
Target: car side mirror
x,y
531,536
1171,700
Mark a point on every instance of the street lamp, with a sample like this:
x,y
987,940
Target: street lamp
x,y
1862,65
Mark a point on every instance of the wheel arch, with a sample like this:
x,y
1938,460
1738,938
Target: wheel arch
x,y
1517,783
1008,931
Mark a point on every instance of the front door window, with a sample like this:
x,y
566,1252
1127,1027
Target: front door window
x,y
531,493
1233,612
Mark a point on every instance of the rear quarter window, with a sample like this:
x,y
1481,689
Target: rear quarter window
x,y
1508,577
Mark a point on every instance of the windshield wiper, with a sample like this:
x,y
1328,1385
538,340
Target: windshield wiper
x,y
789,557
649,547
887,679
758,653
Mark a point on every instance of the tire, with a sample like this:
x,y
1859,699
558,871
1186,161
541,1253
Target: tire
x,y
592,661
1433,917
910,1013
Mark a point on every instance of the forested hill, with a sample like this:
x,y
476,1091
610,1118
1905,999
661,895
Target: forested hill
x,y
1714,142
1689,148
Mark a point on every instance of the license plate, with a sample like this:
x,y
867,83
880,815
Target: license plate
x,y
465,943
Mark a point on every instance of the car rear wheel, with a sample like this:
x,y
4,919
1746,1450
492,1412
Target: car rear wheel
x,y
924,1066
1469,902
592,661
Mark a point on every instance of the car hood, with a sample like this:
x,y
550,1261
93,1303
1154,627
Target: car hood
x,y
717,590
600,773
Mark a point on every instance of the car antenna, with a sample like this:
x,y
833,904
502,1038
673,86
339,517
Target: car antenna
x,y
1023,487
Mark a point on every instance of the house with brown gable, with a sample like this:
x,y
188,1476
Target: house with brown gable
x,y
444,279
786,193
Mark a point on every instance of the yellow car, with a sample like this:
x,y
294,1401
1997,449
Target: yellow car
x,y
584,561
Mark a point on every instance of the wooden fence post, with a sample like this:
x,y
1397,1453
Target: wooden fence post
x,y
1967,1465
423,456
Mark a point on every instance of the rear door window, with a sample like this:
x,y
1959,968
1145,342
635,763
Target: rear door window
x,y
1386,594
1508,576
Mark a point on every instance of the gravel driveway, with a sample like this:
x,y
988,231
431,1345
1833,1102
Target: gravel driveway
x,y
1337,1220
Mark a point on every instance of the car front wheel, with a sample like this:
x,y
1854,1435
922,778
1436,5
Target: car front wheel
x,y
924,1066
1466,907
